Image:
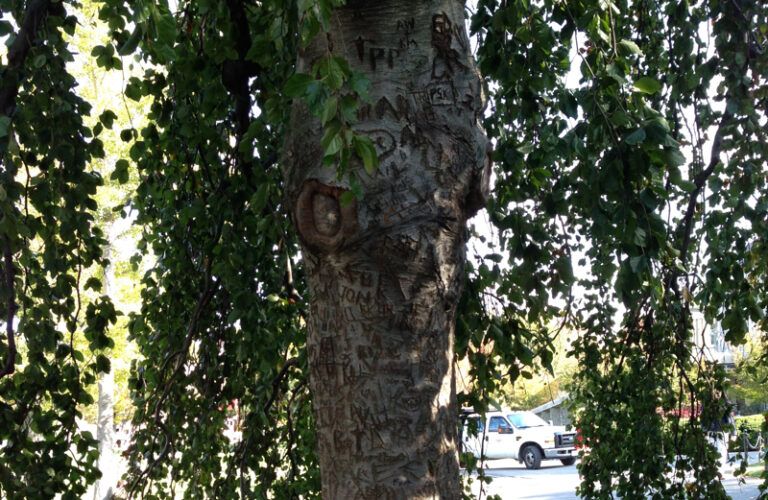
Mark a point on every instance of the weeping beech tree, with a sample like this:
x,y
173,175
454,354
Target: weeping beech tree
x,y
303,185
385,269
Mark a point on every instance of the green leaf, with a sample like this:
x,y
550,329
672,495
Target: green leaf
x,y
367,152
329,109
348,108
107,118
335,144
360,84
39,61
628,47
647,85
134,90
259,199
165,25
166,53
93,284
635,137
5,122
620,118
132,42
120,173
346,198
297,85
5,28
332,130
355,187
640,237
126,135
527,148
637,263
333,70
675,158
102,365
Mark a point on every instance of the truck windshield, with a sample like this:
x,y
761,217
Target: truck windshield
x,y
525,420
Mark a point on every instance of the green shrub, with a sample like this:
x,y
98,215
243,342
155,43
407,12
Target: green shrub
x,y
751,424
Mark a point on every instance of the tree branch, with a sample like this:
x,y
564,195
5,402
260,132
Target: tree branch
x,y
699,181
34,18
10,275
278,379
235,75
242,448
205,297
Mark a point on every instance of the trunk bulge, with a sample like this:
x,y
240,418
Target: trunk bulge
x,y
385,271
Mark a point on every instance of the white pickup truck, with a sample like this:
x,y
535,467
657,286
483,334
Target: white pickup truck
x,y
521,435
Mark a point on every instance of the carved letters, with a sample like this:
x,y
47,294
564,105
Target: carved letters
x,y
406,28
447,59
368,51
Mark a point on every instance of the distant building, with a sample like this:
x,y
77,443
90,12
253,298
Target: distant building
x,y
711,340
555,411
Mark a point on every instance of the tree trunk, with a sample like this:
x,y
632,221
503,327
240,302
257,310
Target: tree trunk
x,y
385,271
105,434
105,486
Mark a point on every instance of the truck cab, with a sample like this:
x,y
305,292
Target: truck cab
x,y
521,435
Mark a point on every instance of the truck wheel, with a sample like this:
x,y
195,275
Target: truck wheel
x,y
531,457
568,461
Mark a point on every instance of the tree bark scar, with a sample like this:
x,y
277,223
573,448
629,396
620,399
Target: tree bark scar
x,y
324,223
480,189
442,38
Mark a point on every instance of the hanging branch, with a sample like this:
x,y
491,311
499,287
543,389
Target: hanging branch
x,y
203,301
210,288
699,181
34,18
244,445
9,273
236,74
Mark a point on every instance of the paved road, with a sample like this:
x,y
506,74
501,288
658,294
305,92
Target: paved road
x,y
553,481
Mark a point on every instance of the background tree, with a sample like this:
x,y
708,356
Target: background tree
x,y
539,385
748,381
49,241
648,173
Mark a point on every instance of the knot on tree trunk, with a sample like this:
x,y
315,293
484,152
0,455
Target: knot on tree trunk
x,y
324,223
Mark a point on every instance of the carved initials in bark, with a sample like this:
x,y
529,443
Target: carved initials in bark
x,y
442,39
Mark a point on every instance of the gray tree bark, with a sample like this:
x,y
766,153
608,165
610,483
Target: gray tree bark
x,y
385,272
104,489
105,486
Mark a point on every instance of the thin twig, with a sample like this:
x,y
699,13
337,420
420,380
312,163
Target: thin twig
x,y
291,431
76,315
